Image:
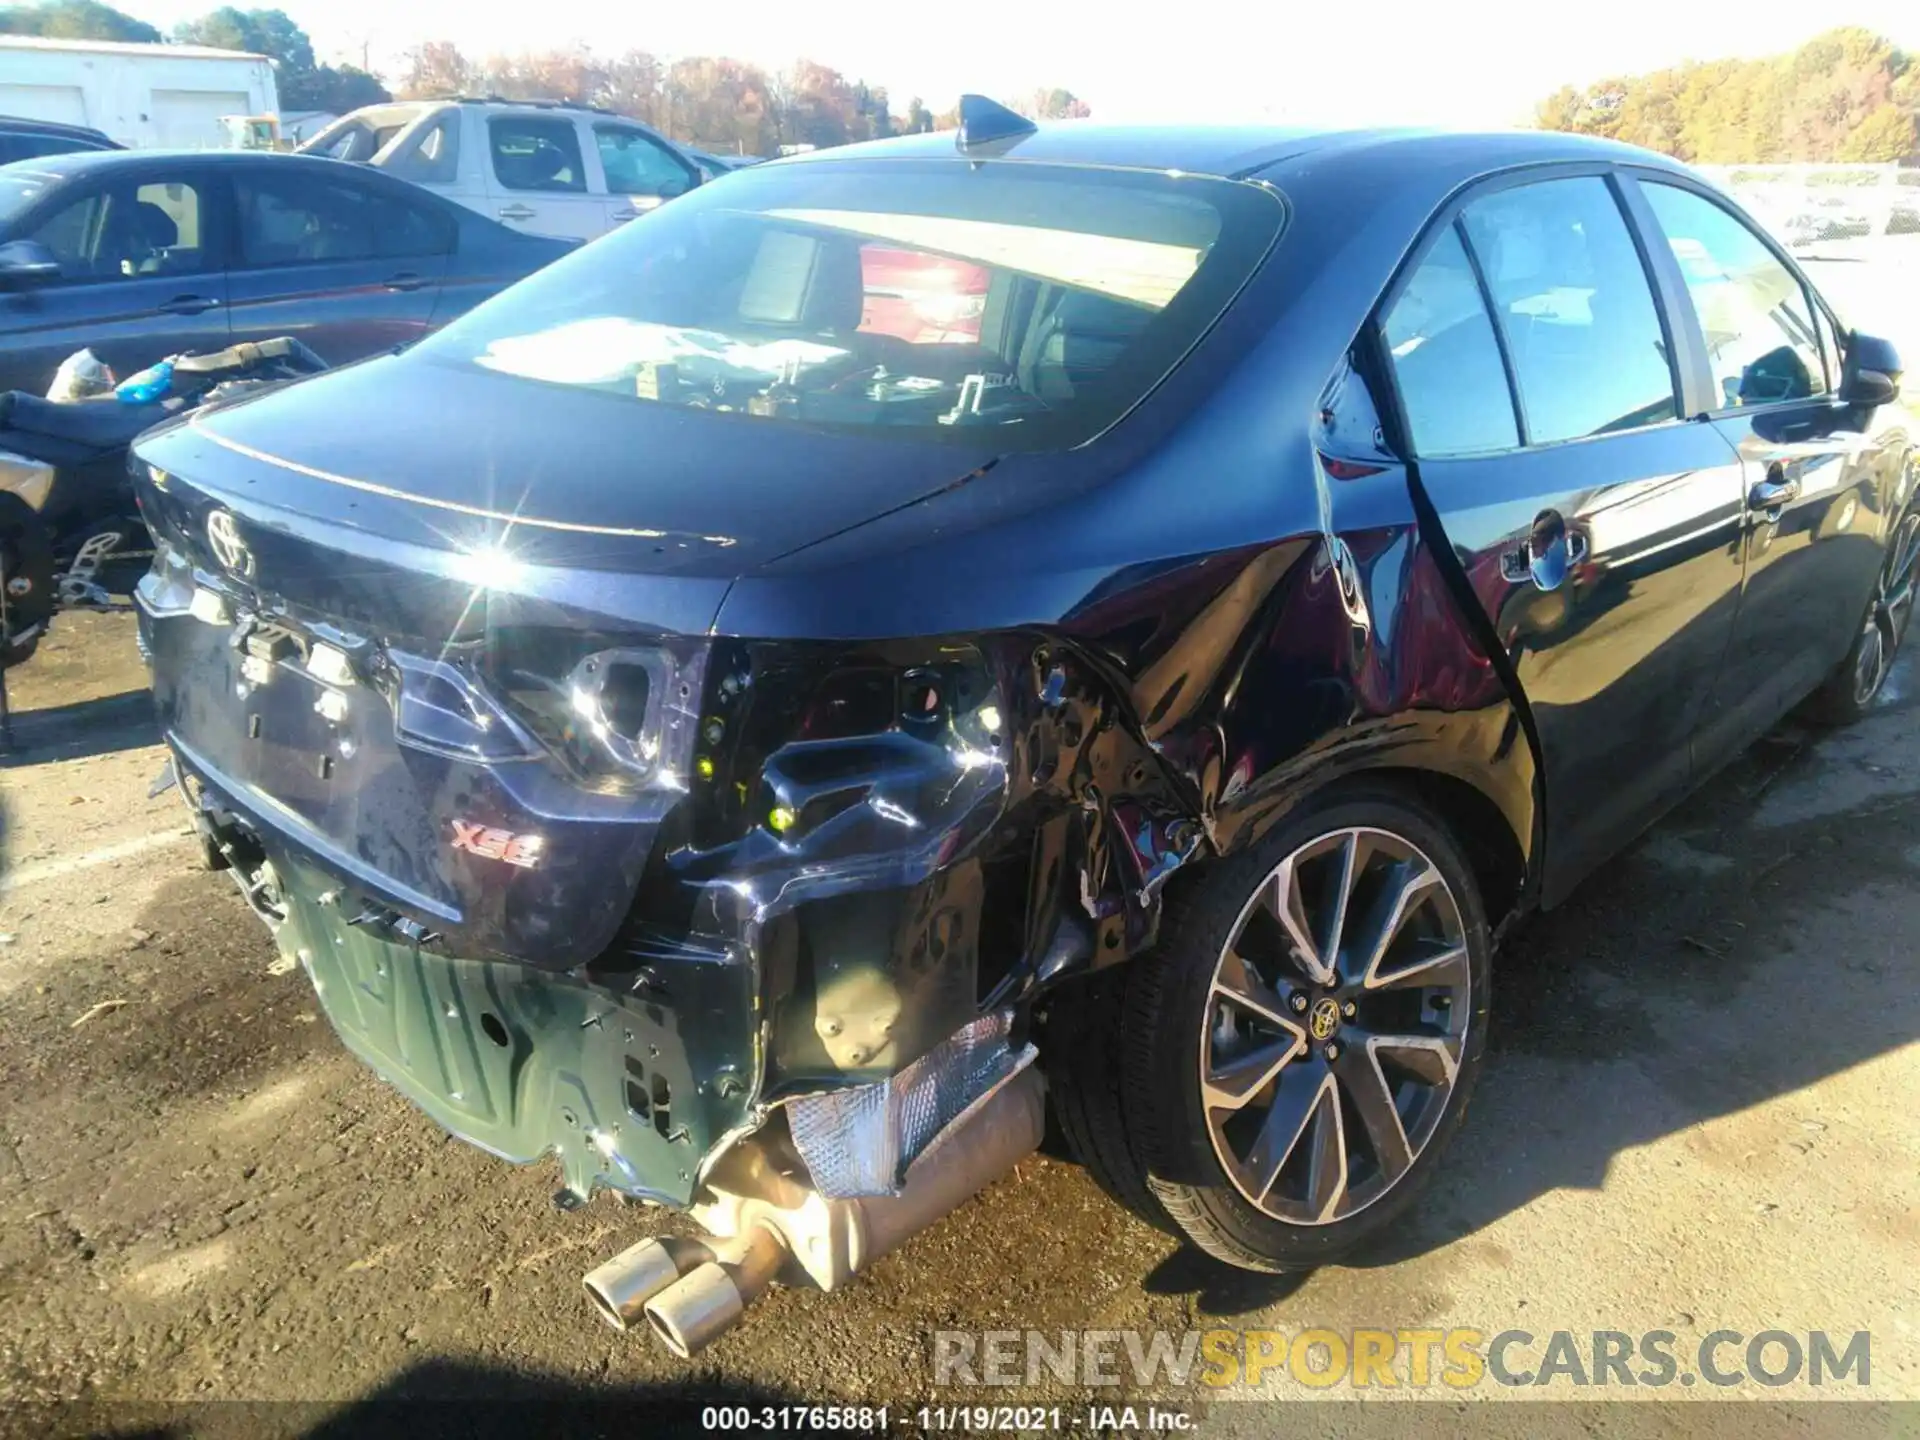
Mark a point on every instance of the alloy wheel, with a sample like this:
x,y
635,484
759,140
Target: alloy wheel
x,y
1335,1025
1890,612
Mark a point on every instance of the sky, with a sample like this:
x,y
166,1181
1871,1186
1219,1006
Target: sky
x,y
1460,64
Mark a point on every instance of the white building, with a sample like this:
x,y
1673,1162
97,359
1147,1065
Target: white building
x,y
145,96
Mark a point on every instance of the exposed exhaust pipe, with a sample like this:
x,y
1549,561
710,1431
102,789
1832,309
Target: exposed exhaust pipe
x,y
703,1305
622,1286
693,1292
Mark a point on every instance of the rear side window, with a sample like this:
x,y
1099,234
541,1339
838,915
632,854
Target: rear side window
x,y
433,156
1573,302
537,153
1758,324
1446,360
303,219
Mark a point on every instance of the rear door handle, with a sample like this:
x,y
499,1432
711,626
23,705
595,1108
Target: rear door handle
x,y
189,305
405,280
517,212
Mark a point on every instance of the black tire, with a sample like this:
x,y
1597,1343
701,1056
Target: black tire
x,y
1172,1003
1086,1086
1849,692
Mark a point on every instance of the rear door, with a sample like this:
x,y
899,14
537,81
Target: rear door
x,y
1817,487
141,279
640,173
1598,532
536,175
351,264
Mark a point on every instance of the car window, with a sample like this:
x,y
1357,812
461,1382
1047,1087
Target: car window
x,y
1036,302
1758,324
292,219
532,152
127,231
432,157
1573,302
922,298
637,164
353,141
1446,359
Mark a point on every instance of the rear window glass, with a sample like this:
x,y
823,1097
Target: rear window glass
x,y
932,297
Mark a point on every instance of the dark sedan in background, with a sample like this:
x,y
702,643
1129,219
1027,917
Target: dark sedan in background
x,y
142,254
22,139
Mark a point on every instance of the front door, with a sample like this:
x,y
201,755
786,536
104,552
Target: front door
x,y
140,279
349,265
1598,531
537,178
1816,487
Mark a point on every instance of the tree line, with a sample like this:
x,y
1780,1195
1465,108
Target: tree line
x,y
718,103
1846,96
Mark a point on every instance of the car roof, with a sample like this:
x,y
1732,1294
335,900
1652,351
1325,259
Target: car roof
x,y
1243,151
21,125
94,162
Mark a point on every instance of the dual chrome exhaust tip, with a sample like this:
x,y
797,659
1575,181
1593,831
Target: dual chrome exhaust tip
x,y
690,1291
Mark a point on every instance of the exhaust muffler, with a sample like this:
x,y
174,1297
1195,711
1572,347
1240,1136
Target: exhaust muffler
x,y
692,1292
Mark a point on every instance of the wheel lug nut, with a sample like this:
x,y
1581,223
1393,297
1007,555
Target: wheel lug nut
x,y
1332,1052
1299,1002
1349,1010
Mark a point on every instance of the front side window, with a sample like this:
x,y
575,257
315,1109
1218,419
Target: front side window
x,y
1758,324
293,219
1575,307
637,164
126,231
537,153
930,297
1446,358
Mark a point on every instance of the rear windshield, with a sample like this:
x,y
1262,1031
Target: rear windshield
x,y
930,297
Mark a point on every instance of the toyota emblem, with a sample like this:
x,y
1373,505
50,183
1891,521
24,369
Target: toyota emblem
x,y
223,534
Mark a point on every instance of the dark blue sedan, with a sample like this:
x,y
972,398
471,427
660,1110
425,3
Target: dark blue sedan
x,y
1151,604
144,254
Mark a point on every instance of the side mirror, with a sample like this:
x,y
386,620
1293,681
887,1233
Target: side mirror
x,y
1871,375
25,264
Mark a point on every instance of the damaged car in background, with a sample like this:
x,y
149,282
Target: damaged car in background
x,y
762,752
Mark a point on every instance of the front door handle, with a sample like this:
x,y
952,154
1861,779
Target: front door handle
x,y
189,305
517,212
405,280
1778,490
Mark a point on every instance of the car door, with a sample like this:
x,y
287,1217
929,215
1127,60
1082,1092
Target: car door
x,y
1817,485
1596,531
140,277
537,177
349,263
640,172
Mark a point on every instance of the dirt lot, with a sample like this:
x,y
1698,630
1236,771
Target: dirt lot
x,y
1699,1115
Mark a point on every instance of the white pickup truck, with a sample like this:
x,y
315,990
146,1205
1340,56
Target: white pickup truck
x,y
544,168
